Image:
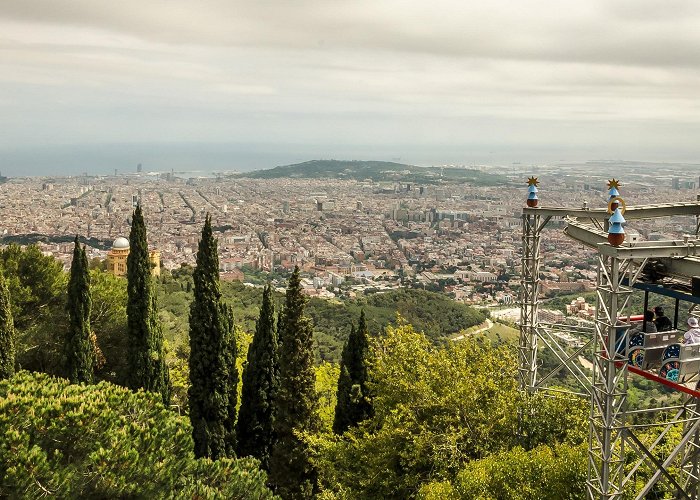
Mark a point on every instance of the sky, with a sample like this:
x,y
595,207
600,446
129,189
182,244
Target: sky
x,y
93,86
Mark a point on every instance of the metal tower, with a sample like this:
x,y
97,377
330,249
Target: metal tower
x,y
631,451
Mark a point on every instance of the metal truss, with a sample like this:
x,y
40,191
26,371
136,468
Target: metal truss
x,y
632,212
620,453
532,333
529,292
609,387
557,338
632,452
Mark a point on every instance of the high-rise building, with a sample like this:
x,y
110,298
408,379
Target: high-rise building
x,y
139,169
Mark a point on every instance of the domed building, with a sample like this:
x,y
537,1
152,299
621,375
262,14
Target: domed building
x,y
116,258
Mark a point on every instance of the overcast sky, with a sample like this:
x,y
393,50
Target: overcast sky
x,y
89,85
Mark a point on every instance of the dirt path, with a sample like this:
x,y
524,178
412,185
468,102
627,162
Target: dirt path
x,y
489,325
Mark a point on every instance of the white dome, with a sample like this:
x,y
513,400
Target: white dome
x,y
120,243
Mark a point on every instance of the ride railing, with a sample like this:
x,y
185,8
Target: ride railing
x,y
661,353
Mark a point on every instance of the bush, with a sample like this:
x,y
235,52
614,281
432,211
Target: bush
x,y
104,441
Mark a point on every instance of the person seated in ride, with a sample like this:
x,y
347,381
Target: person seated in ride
x,y
692,336
648,322
663,324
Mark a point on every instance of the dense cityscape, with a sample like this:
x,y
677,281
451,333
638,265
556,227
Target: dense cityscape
x,y
346,236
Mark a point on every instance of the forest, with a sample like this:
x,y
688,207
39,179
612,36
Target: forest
x,y
441,419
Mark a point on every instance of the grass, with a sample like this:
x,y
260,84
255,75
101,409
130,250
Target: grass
x,y
499,332
502,332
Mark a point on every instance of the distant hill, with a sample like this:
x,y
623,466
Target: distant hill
x,y
377,171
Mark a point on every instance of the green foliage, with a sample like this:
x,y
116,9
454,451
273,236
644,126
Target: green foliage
x,y
108,321
34,238
42,301
542,421
103,441
291,470
435,314
326,387
7,332
437,409
254,429
212,368
78,342
36,283
146,355
354,404
544,473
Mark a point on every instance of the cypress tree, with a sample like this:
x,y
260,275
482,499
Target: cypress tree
x,y
146,355
260,380
280,328
233,377
7,332
78,343
291,471
213,373
353,404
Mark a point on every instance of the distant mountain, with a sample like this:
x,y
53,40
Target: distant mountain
x,y
377,171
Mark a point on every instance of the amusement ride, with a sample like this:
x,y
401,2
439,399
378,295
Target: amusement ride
x,y
614,351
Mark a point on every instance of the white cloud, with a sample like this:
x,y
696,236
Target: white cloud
x,y
602,74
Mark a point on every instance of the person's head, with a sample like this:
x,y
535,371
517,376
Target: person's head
x,y
648,316
693,322
659,311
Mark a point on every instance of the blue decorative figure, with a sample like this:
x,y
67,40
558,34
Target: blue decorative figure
x,y
532,192
616,233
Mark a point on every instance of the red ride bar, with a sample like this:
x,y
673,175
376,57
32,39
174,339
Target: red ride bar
x,y
651,376
634,317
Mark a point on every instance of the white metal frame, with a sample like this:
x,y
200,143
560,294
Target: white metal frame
x,y
616,452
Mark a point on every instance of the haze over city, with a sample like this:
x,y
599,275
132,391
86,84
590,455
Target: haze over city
x,y
89,86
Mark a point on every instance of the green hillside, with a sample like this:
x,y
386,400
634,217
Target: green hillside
x,y
376,171
435,314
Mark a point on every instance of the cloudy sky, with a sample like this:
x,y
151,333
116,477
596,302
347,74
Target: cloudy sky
x,y
95,85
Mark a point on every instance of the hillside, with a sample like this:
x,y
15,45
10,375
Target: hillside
x,y
376,171
435,314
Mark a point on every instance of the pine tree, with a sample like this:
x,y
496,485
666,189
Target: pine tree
x,y
78,342
353,404
254,431
291,471
7,332
213,373
146,354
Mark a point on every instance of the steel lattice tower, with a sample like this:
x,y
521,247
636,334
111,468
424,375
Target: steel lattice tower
x,y
617,451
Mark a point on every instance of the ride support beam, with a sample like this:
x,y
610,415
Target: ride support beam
x,y
632,212
606,457
529,291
